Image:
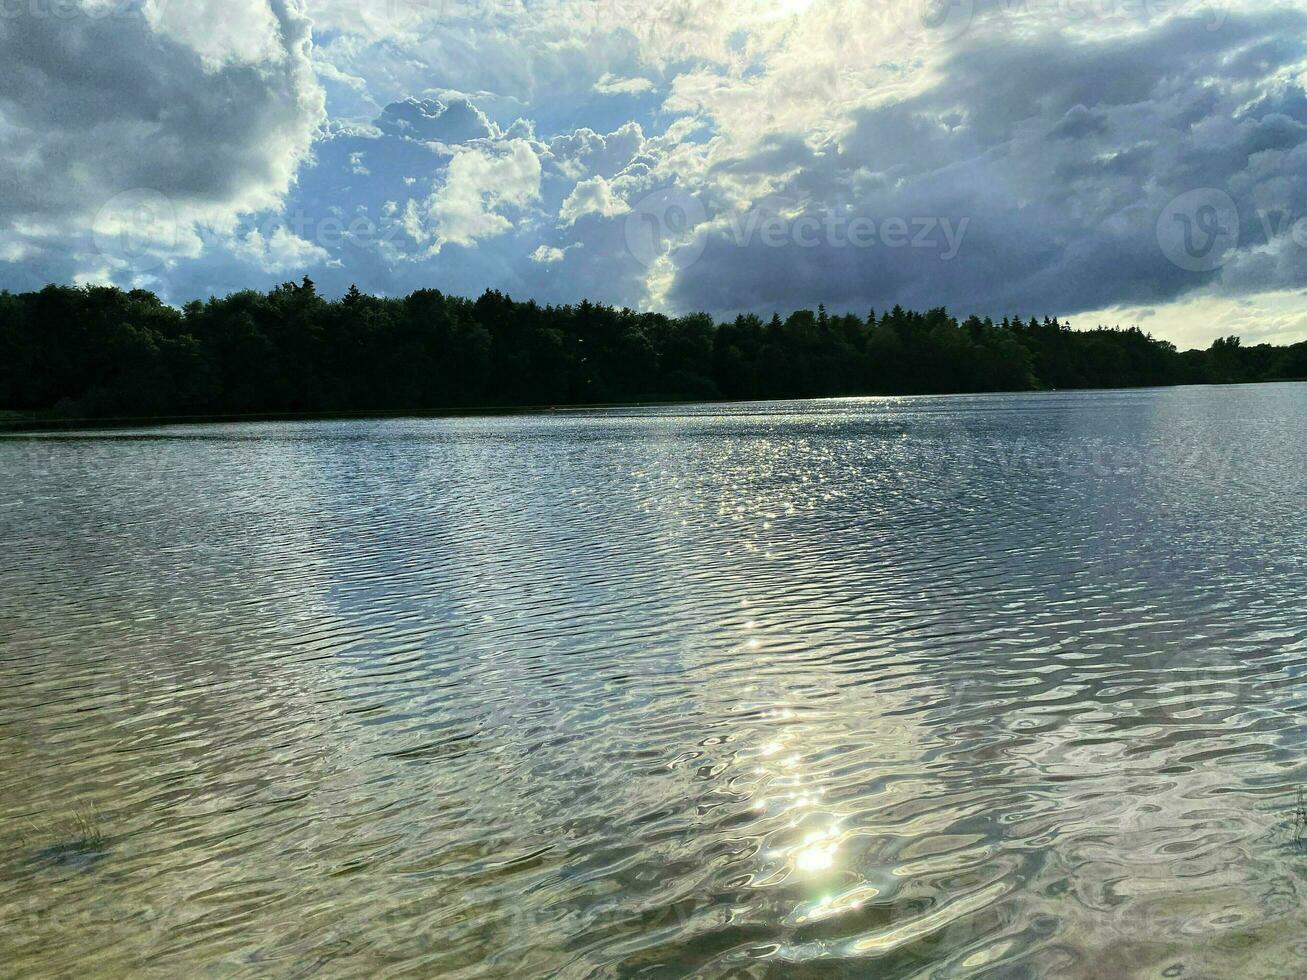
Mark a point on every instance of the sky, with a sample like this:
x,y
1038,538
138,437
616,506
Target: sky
x,y
1131,162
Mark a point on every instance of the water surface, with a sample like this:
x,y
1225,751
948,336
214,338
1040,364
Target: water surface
x,y
1004,685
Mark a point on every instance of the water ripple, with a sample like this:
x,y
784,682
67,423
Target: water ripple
x,y
977,685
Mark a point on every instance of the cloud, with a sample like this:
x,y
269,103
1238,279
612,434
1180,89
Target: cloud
x,y
608,84
208,111
279,250
584,151
220,31
1061,150
479,182
548,254
457,121
525,134
1274,317
593,196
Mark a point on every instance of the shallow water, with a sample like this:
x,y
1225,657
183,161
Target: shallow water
x,y
1004,685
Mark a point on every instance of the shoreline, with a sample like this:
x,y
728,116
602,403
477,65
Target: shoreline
x,y
17,423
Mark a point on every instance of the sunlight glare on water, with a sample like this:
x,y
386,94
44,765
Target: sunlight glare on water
x,y
970,685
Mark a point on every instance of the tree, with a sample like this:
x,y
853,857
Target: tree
x,y
102,351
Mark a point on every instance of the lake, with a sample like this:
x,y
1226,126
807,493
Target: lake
x,y
1006,685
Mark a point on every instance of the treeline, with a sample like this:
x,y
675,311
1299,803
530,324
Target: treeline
x,y
98,352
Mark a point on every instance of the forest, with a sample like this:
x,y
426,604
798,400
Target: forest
x,y
101,352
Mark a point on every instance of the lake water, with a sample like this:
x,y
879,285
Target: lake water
x,y
1009,685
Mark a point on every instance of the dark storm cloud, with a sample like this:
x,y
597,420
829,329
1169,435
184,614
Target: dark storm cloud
x,y
1061,154
457,121
92,106
1078,123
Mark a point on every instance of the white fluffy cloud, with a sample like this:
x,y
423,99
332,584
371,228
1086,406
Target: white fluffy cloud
x,y
481,183
593,196
549,255
220,31
609,84
278,250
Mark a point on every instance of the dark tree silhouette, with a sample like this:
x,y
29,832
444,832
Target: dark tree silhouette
x,y
100,352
